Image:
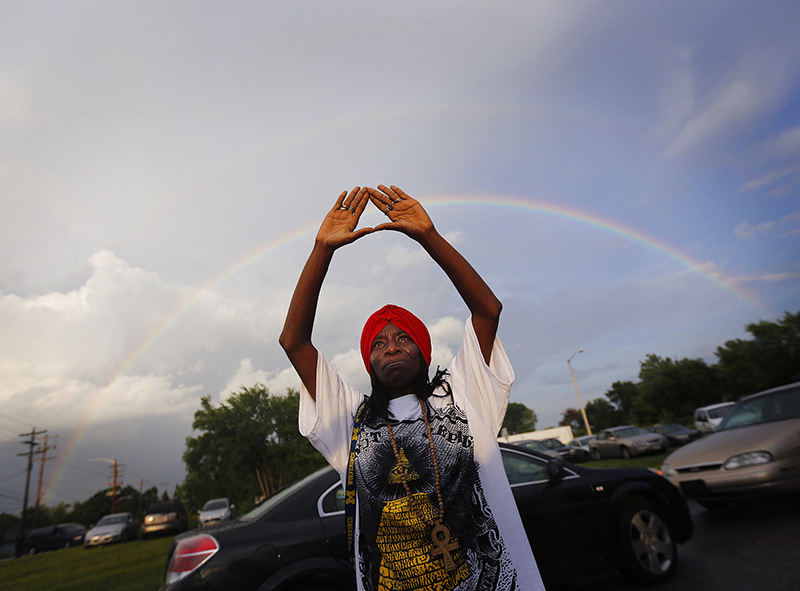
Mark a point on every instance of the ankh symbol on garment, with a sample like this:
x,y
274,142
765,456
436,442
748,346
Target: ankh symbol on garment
x,y
440,536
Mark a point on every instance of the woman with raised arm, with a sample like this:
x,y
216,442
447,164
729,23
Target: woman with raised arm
x,y
428,504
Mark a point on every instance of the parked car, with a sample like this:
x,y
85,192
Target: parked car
x,y
577,450
214,511
625,442
52,537
755,451
116,527
708,418
164,517
677,435
536,445
631,519
552,443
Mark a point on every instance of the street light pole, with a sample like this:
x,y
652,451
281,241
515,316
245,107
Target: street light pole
x,y
574,383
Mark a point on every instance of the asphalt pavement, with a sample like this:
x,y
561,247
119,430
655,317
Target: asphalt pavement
x,y
754,546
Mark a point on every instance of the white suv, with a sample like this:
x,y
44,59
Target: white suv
x,y
708,418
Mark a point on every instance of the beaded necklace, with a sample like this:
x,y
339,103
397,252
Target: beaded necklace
x,y
440,533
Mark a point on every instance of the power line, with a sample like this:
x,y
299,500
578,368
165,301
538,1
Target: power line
x,y
9,428
25,423
13,476
77,469
7,491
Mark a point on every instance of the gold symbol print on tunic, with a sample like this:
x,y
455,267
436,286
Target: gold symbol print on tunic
x,y
408,560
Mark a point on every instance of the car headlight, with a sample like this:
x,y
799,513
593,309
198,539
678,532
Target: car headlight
x,y
752,458
668,470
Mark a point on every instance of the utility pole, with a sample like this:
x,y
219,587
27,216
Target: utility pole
x,y
43,450
580,402
114,486
30,443
114,482
141,486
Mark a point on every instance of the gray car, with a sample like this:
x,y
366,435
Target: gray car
x,y
116,527
578,449
755,451
625,442
536,445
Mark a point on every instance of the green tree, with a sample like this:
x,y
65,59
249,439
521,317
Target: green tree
x,y
519,418
672,389
572,418
626,398
601,414
771,358
93,508
246,448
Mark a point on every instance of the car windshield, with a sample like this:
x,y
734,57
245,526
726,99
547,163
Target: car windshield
x,y
671,428
532,444
214,505
169,507
630,432
720,413
764,409
280,496
112,520
43,531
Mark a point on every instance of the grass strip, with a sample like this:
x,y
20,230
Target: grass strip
x,y
132,566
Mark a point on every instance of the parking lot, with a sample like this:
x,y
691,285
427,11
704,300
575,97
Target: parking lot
x,y
752,546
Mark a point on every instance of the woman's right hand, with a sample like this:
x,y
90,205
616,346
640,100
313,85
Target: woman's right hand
x,y
339,226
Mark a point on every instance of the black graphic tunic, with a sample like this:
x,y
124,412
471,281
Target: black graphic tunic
x,y
488,549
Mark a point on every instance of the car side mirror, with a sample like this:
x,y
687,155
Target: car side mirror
x,y
554,469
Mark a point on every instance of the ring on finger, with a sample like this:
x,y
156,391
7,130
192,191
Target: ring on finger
x,y
389,208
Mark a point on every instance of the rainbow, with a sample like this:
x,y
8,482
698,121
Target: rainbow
x,y
472,200
609,226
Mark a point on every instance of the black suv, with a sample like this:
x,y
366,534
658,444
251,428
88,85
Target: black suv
x,y
164,517
629,518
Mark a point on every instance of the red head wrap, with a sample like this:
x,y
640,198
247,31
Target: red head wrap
x,y
402,319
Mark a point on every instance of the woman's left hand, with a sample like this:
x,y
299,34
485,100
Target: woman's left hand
x,y
406,213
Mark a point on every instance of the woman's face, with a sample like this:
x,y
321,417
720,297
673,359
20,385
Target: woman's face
x,y
395,358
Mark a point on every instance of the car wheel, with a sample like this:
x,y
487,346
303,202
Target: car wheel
x,y
595,454
67,545
625,453
647,549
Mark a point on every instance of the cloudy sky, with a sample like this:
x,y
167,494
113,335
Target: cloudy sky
x,y
625,175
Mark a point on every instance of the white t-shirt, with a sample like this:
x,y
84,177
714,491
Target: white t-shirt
x,y
392,543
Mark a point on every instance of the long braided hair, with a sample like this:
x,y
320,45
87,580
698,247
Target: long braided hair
x,y
377,403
